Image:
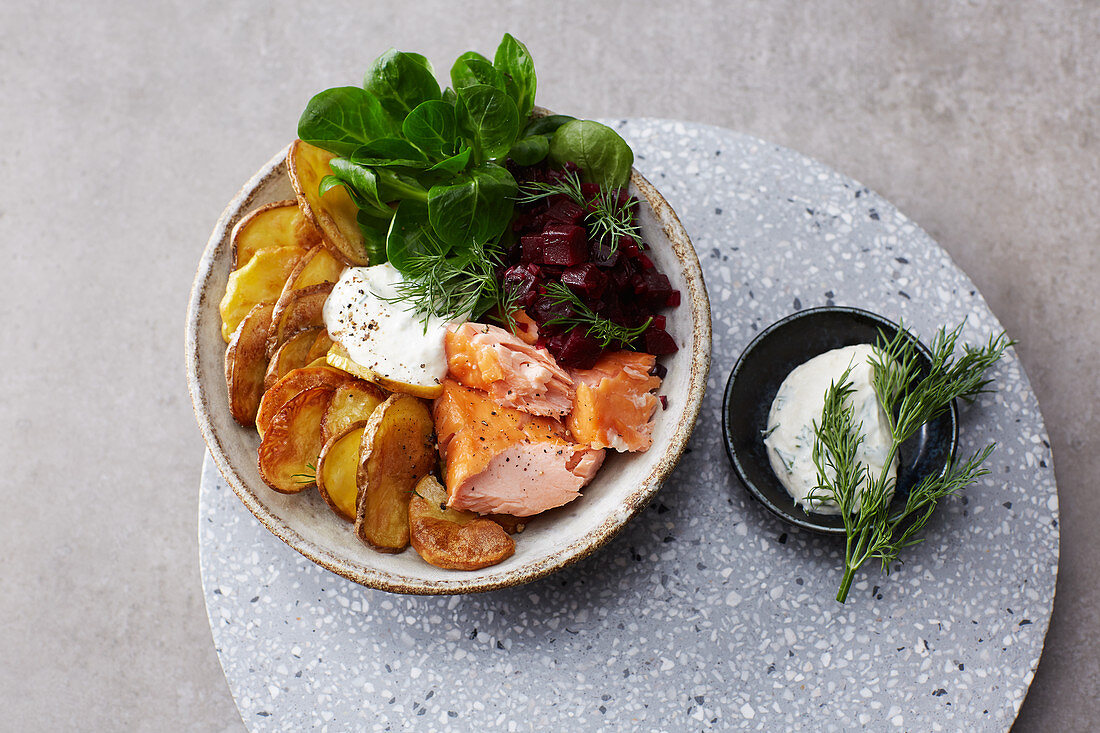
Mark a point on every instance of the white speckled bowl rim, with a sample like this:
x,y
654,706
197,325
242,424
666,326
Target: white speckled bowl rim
x,y
203,314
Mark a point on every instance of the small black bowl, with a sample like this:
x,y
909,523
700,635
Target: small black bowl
x,y
755,380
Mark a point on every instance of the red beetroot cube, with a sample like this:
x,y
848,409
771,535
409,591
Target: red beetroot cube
x,y
673,299
546,309
532,246
586,280
523,282
658,322
564,245
644,261
574,349
656,290
658,342
603,255
590,190
565,210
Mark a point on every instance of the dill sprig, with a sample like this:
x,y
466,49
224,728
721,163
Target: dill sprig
x,y
910,400
306,478
604,330
440,283
608,218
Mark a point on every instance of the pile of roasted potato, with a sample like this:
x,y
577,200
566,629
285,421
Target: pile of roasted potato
x,y
370,453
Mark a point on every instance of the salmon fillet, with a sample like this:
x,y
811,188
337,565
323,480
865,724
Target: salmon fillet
x,y
614,404
499,460
514,373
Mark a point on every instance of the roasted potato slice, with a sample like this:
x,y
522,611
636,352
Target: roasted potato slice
x,y
246,362
351,403
278,224
314,267
293,354
302,309
398,450
320,347
292,442
334,213
291,384
452,539
260,281
338,468
339,358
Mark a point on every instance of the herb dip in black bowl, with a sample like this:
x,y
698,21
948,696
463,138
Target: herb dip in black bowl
x,y
756,378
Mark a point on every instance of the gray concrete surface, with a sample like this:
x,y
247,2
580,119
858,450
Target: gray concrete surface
x,y
128,125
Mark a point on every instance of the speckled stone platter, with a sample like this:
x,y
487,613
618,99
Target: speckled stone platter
x,y
706,612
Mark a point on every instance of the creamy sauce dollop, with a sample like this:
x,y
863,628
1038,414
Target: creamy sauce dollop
x,y
789,438
379,332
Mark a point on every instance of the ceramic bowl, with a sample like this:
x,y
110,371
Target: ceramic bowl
x,y
622,488
760,371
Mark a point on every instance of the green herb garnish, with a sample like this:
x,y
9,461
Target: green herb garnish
x,y
607,220
910,400
604,330
306,478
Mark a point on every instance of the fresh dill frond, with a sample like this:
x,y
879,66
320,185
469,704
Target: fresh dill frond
x,y
910,398
440,283
306,478
608,218
604,330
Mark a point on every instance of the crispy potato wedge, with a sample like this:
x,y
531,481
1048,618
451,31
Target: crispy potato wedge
x,y
320,347
260,281
293,354
452,539
278,224
334,214
319,361
339,358
246,362
338,469
293,382
292,442
302,309
398,450
351,403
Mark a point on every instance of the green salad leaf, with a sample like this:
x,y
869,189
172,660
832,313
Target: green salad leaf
x,y
603,156
426,166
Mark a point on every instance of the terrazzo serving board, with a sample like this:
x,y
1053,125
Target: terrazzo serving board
x,y
706,612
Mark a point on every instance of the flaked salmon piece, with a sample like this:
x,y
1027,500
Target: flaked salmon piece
x,y
499,460
514,373
526,328
615,404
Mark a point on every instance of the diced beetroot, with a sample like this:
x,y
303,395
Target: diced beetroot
x,y
673,299
564,209
628,245
659,370
574,349
657,288
644,261
590,190
586,280
564,244
546,309
664,402
658,342
522,281
658,322
603,255
532,247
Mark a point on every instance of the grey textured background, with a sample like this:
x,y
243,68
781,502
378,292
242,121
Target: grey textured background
x,y
129,125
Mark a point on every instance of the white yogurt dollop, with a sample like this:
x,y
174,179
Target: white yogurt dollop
x,y
790,435
379,332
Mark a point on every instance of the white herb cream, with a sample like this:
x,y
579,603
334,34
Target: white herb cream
x,y
790,435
